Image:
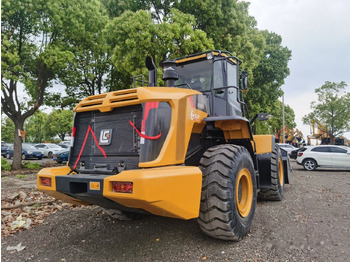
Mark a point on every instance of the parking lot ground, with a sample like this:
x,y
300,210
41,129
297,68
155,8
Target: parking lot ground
x,y
311,223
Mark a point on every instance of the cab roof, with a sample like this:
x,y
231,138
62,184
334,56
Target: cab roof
x,y
203,55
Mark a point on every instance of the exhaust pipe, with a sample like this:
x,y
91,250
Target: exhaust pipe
x,y
152,72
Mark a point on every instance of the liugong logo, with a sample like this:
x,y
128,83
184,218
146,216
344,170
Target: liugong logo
x,y
105,137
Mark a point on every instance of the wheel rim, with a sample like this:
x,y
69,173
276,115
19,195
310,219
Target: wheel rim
x,y
309,165
280,172
244,192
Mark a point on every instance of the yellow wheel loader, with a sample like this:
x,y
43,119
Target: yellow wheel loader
x,y
182,151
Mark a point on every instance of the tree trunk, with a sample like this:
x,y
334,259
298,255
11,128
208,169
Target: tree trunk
x,y
17,146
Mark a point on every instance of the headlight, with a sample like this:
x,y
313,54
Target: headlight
x,y
29,152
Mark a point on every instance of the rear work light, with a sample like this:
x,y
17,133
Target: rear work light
x,y
45,181
122,187
300,154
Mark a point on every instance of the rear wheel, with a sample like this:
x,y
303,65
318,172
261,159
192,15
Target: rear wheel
x,y
228,197
49,155
275,192
8,156
309,164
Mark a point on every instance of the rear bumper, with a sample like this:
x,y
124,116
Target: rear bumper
x,y
172,191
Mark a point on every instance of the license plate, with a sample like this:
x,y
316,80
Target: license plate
x,y
94,185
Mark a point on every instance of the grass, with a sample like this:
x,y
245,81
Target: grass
x,y
5,165
21,176
31,165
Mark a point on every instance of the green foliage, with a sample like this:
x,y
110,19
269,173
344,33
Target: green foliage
x,y
7,129
60,123
5,165
136,35
36,129
31,165
263,93
230,26
332,109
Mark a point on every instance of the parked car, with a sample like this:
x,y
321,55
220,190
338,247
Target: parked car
x,y
65,146
28,151
324,156
294,153
49,149
287,147
68,143
62,157
4,147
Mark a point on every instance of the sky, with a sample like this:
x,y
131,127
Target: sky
x,y
318,34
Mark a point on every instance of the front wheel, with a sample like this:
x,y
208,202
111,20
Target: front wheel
x,y
24,157
309,164
228,197
50,155
8,156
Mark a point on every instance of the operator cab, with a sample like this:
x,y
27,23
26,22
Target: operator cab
x,y
215,74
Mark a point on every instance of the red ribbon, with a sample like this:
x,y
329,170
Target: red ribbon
x,y
82,148
142,135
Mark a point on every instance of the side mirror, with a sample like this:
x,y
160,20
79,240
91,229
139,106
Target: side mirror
x,y
263,116
260,117
243,80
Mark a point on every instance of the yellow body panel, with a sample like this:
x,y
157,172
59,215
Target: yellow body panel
x,y
52,173
234,129
183,120
167,191
264,143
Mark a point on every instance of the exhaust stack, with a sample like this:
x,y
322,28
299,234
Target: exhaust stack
x,y
152,72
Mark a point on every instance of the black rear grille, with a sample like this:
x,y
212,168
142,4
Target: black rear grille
x,y
115,145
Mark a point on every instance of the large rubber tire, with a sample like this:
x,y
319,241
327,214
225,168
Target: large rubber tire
x,y
24,157
309,164
49,155
8,156
228,196
275,192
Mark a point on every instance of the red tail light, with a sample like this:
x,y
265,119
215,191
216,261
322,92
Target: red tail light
x,y
45,181
300,154
123,187
74,129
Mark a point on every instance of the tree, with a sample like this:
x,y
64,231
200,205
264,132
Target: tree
x,y
36,47
136,35
90,70
229,25
332,109
36,130
265,89
60,123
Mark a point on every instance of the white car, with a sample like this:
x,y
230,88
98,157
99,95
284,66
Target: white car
x,y
312,157
49,149
287,147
